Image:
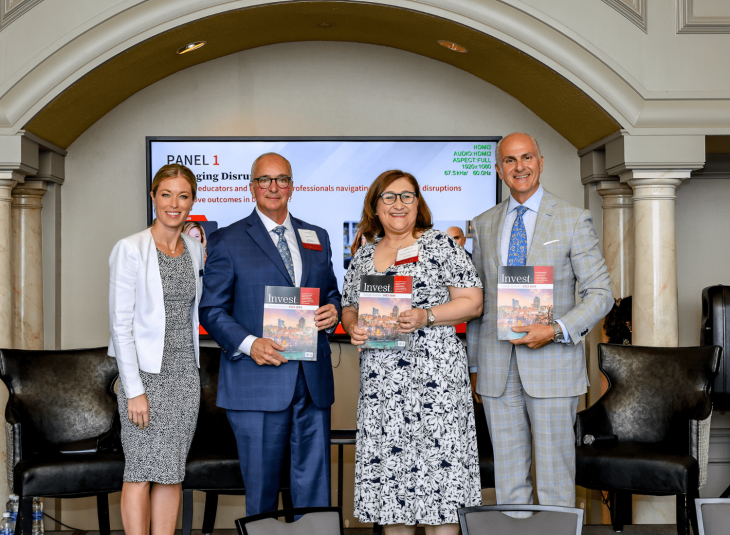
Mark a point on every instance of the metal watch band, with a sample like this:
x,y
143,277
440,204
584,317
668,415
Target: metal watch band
x,y
558,332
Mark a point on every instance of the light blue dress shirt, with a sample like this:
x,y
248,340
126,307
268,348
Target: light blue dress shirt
x,y
530,220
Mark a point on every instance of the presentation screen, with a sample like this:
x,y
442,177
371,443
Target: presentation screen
x,y
330,179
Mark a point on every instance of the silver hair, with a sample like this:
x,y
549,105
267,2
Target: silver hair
x,y
256,161
499,145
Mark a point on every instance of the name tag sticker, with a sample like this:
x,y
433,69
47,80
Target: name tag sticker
x,y
407,255
310,239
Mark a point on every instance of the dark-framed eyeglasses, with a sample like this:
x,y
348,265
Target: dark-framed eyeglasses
x,y
282,181
407,197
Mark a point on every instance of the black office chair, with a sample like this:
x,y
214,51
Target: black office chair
x,y
484,445
64,419
313,521
658,406
546,520
713,516
715,331
212,465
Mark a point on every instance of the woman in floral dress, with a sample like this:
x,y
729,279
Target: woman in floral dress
x,y
416,460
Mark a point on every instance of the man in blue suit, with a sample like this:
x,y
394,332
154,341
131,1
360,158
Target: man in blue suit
x,y
274,406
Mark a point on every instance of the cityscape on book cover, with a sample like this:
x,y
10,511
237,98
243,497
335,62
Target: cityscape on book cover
x,y
519,307
294,330
379,317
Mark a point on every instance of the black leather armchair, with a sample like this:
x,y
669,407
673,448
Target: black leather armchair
x,y
658,405
212,465
64,419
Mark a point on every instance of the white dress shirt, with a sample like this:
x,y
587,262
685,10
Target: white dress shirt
x,y
296,258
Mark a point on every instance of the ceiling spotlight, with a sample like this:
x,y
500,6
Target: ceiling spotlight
x,y
452,46
190,47
324,25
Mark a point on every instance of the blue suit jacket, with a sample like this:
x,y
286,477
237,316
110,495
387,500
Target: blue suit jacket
x,y
242,260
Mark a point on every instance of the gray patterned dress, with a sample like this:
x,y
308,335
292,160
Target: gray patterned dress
x,y
158,453
416,457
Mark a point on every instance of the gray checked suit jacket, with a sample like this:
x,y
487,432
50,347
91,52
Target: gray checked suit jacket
x,y
564,238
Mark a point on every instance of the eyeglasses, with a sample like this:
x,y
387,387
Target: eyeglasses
x,y
406,197
282,181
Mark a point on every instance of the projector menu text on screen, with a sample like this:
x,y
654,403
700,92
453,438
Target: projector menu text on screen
x,y
331,177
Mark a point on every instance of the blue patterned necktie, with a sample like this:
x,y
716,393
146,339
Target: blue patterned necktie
x,y
518,240
283,249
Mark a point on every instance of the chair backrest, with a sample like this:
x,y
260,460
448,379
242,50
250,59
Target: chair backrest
x,y
546,520
653,392
60,396
213,431
713,515
715,331
484,441
319,520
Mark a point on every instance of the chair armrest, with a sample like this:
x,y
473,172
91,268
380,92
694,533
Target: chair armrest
x,y
14,442
89,445
699,445
592,421
105,441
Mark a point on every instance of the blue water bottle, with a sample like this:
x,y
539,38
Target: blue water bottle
x,y
37,528
5,524
12,508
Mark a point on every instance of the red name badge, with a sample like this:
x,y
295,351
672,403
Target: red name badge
x,y
407,255
310,240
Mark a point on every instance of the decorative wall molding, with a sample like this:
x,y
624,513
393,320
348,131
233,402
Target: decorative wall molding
x,y
716,166
12,9
719,446
634,10
688,22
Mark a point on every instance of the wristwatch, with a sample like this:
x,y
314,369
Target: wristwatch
x,y
558,332
431,318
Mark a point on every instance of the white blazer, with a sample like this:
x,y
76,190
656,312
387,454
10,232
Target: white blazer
x,y
137,308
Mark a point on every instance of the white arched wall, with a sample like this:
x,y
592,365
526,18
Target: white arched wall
x,y
301,89
39,71
651,82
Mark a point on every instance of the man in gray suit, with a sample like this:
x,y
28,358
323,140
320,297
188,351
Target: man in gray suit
x,y
530,386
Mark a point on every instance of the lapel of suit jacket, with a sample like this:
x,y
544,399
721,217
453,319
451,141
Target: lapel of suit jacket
x,y
542,226
305,253
257,231
152,265
497,243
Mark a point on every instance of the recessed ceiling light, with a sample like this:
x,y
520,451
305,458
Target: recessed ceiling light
x,y
190,47
452,46
324,25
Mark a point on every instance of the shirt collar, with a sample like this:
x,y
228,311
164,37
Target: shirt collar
x,y
270,224
533,203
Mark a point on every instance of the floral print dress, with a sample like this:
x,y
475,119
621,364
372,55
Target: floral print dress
x,y
416,457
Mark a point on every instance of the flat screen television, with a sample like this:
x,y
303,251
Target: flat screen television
x,y
331,176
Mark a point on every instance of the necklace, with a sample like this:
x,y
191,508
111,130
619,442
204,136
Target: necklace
x,y
162,246
391,247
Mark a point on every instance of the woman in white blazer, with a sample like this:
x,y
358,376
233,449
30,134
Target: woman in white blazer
x,y
155,286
